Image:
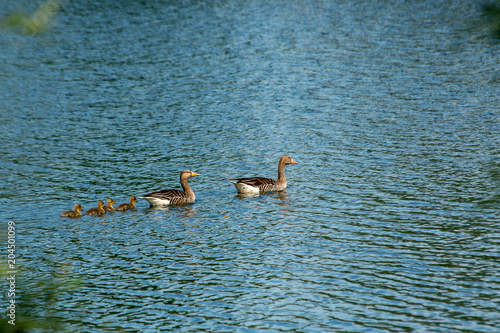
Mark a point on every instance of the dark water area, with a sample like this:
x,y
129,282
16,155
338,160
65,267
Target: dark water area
x,y
390,222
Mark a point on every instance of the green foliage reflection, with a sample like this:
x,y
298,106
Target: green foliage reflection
x,y
31,24
492,12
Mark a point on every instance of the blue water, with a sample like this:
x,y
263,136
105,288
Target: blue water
x,y
391,219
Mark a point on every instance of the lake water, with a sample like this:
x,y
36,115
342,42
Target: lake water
x,y
391,219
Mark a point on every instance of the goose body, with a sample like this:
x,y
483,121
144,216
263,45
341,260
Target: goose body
x,y
256,185
99,210
259,185
73,213
126,206
173,197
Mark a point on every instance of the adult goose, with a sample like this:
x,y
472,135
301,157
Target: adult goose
x,y
173,197
126,206
73,213
99,210
259,185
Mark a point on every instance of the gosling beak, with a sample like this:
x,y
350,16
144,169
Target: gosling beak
x,y
194,174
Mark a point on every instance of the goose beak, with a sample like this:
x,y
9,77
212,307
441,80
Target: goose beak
x,y
294,162
194,174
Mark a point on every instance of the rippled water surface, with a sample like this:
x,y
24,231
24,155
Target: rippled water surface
x,y
391,219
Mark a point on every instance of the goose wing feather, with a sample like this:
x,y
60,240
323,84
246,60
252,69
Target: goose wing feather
x,y
255,181
166,194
